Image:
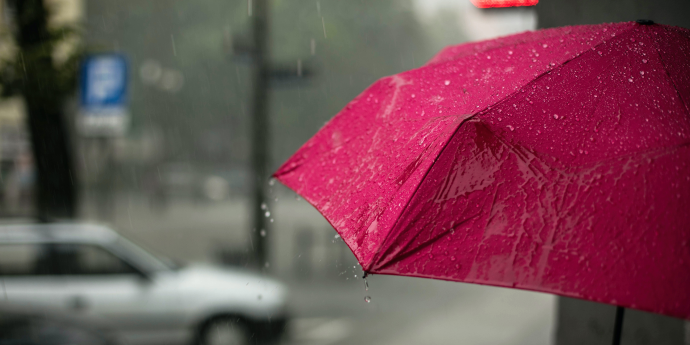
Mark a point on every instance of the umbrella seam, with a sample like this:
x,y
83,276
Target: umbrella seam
x,y
520,43
383,245
668,75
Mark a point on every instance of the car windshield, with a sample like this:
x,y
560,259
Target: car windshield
x,y
142,257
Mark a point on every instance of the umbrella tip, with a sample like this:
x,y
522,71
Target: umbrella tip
x,y
644,21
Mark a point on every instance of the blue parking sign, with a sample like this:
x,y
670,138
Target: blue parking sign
x,y
103,95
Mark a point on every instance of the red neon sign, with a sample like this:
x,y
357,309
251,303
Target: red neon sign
x,y
503,3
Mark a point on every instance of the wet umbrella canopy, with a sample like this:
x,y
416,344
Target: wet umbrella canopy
x,y
554,161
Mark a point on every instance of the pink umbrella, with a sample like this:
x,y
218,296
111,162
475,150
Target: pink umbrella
x,y
554,161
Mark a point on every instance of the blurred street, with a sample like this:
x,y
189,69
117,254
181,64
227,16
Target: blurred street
x,y
327,300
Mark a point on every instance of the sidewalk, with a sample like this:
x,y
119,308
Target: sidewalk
x,y
418,311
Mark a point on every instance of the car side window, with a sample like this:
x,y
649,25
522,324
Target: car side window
x,y
25,259
85,259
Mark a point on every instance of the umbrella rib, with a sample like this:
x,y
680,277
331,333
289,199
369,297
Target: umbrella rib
x,y
425,243
668,75
384,243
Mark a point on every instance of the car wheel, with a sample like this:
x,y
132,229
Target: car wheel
x,y
225,331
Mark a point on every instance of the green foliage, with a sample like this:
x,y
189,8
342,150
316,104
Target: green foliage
x,y
49,65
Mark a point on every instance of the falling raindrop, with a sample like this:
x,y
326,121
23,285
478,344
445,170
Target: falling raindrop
x,y
272,182
366,285
267,214
263,233
263,206
367,299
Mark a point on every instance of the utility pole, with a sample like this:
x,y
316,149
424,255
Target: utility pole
x,y
259,174
255,50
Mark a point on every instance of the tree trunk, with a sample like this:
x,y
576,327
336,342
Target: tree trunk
x,y
55,189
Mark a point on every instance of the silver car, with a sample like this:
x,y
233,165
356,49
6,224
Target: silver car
x,y
92,270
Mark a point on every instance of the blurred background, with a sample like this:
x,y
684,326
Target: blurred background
x,y
214,96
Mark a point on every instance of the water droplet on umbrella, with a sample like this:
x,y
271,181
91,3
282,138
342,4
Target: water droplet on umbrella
x,y
644,60
367,299
555,116
630,80
447,82
511,128
641,72
510,52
